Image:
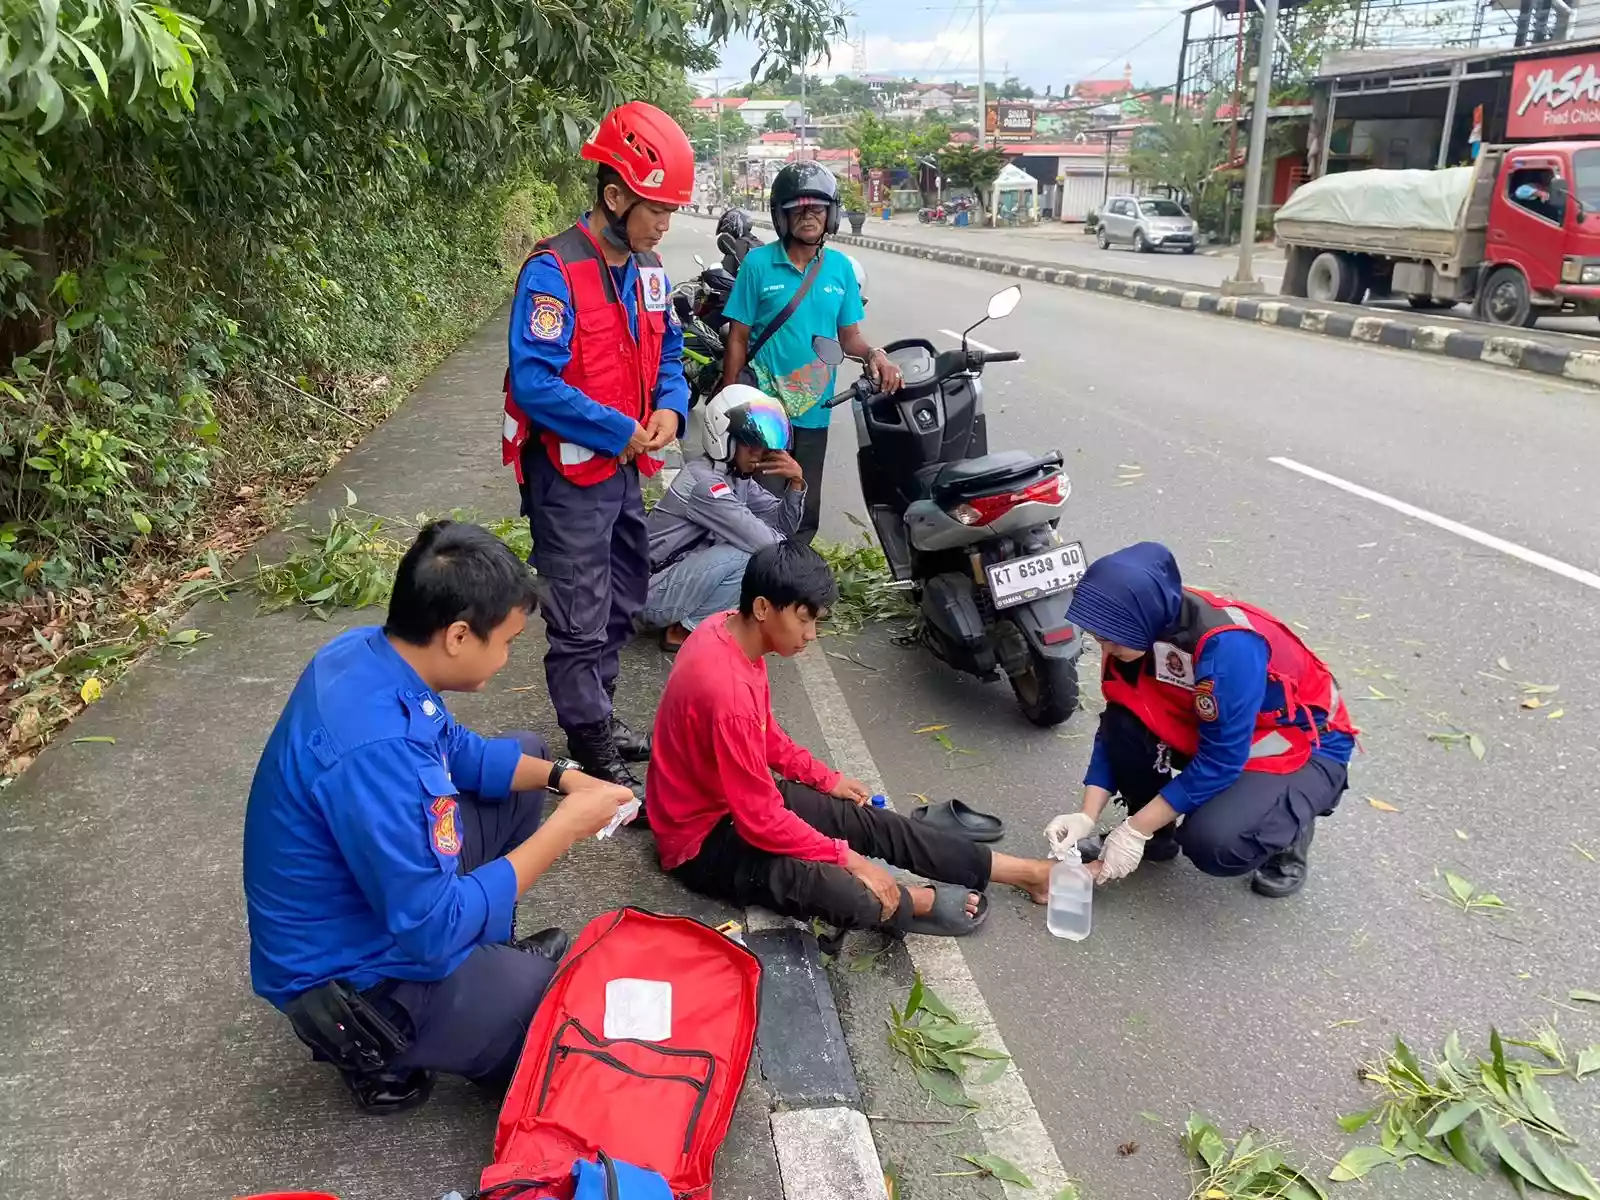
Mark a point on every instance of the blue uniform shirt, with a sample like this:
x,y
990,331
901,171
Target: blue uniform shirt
x,y
538,358
788,367
1235,660
352,834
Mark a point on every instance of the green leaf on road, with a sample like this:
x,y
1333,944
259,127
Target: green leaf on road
x,y
1452,1117
1359,1162
1070,1192
1475,744
1460,888
944,1087
101,741
993,1166
1584,996
1588,1062
991,1073
1354,1122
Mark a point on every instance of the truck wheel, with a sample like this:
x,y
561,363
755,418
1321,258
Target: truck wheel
x,y
1047,691
1331,279
1504,300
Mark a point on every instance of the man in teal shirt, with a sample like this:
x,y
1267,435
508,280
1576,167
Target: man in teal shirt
x,y
805,210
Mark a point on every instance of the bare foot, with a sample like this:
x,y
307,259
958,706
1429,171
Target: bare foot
x,y
922,901
675,636
1032,875
1038,885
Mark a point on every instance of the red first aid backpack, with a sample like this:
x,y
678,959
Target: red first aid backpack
x,y
639,1049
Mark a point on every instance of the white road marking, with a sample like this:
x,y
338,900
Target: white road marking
x,y
1533,557
1007,1119
974,343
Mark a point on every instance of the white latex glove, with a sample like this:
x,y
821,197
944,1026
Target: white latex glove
x,y
1122,853
1068,830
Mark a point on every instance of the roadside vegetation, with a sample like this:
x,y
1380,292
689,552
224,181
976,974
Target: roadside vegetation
x,y
234,238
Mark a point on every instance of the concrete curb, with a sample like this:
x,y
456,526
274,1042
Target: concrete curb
x,y
1447,341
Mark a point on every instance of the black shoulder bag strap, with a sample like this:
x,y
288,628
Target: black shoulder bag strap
x,y
788,309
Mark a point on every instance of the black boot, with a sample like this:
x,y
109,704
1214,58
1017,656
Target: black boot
x,y
384,1093
597,754
1285,872
633,746
553,943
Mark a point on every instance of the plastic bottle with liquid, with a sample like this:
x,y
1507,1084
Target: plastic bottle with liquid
x,y
1071,896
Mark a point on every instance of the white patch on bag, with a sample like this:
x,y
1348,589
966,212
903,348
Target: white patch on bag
x,y
639,1008
572,454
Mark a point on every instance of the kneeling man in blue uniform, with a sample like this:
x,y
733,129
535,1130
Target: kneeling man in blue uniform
x,y
386,846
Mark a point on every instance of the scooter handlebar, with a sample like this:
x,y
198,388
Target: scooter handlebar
x,y
994,356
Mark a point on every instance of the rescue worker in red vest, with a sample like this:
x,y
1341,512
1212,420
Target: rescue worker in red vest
x,y
594,392
1223,734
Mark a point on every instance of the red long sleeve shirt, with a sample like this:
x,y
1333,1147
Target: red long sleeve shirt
x,y
716,746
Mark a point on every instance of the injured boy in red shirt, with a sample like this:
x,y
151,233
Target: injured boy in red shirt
x,y
803,846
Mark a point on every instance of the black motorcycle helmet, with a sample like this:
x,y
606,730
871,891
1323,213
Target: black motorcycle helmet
x,y
803,181
735,224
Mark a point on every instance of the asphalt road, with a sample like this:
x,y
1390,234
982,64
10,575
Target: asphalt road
x,y
1193,994
1070,246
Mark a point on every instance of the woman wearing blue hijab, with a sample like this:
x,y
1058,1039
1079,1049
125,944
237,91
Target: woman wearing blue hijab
x,y
1224,735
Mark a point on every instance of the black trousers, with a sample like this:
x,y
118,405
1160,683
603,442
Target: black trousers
x,y
1240,828
730,868
810,450
473,1021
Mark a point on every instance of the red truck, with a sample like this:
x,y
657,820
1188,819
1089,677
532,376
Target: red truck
x,y
1517,235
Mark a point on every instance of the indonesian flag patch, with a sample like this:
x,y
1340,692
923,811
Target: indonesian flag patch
x,y
719,490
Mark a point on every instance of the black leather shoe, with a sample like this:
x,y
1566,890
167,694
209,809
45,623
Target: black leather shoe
x,y
553,943
1162,846
633,746
597,754
1285,872
383,1094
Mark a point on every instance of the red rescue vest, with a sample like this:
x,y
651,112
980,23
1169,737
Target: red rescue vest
x,y
608,364
1167,700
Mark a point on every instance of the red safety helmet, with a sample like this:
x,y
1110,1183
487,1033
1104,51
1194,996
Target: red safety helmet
x,y
649,151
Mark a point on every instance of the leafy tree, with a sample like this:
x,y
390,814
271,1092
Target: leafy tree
x,y
1182,151
776,123
969,167
1013,88
211,219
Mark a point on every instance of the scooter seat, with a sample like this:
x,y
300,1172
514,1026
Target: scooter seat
x,y
986,473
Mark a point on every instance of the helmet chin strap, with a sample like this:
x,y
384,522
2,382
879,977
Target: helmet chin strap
x,y
616,230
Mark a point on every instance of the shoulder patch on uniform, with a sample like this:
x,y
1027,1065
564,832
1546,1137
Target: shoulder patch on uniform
x,y
547,319
1205,701
446,826
720,489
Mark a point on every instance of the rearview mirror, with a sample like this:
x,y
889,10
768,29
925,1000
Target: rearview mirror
x,y
828,350
1003,304
699,262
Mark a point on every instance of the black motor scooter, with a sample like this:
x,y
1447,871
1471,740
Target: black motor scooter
x,y
971,534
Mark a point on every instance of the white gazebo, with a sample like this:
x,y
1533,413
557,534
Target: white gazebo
x,y
1014,196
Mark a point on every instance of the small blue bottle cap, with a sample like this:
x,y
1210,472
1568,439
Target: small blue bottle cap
x,y
880,802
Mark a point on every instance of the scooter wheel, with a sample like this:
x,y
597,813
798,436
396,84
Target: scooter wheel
x,y
1047,691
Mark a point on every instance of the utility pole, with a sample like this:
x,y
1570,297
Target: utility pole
x,y
802,151
1244,281
983,109
722,168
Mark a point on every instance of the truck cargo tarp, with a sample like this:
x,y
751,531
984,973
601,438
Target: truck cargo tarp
x,y
1379,199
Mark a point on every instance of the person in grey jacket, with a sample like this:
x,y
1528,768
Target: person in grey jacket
x,y
716,514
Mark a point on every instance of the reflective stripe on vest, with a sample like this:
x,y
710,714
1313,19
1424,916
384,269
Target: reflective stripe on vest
x,y
608,363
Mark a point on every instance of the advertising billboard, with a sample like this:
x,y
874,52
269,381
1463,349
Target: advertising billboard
x,y
1555,98
1008,120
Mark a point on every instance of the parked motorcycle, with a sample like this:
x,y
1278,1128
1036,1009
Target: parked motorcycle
x,y
971,534
933,216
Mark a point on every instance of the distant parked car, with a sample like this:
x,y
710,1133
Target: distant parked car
x,y
1146,223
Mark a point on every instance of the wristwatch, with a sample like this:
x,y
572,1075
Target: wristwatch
x,y
557,769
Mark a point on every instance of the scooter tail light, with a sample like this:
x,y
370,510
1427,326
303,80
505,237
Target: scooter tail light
x,y
982,510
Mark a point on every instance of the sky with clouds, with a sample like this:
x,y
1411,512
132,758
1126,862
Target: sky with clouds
x,y
1044,42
